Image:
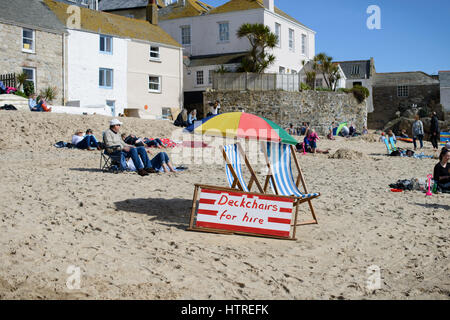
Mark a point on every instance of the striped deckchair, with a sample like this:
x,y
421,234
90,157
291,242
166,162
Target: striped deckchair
x,y
445,137
388,146
232,155
280,176
393,145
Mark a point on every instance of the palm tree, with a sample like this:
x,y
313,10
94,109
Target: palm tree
x,y
330,71
261,39
21,79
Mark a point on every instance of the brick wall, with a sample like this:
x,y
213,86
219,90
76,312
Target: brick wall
x,y
283,108
47,59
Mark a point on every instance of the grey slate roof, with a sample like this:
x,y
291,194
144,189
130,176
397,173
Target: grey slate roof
x,y
78,3
444,78
30,13
216,59
105,5
414,78
356,69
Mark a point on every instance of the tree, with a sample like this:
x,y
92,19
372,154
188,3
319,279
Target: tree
x,y
261,39
21,79
330,71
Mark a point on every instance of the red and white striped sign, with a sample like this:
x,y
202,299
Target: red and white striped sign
x,y
241,212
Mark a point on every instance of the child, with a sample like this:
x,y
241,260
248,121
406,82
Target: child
x,y
312,138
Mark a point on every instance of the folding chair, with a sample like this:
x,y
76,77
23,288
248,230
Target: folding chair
x,y
280,176
232,155
111,159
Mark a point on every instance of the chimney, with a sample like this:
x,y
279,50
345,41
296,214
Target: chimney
x,y
152,12
269,5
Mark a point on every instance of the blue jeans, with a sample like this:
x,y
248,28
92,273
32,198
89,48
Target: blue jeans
x,y
420,137
88,142
38,107
137,154
154,143
159,160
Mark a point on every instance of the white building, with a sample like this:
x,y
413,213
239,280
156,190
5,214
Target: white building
x,y
131,66
444,79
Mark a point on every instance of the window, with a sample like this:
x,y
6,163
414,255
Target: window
x,y
199,77
31,76
210,76
154,53
186,35
105,78
402,91
28,37
282,70
304,44
355,70
106,44
278,33
291,40
224,31
154,84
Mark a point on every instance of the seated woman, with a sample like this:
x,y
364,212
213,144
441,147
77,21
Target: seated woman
x,y
40,106
161,162
88,141
182,119
441,173
77,137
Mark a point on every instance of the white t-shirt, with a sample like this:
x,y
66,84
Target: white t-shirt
x,y
76,139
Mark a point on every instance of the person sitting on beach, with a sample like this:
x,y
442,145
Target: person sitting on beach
x,y
441,173
403,134
182,119
87,142
34,105
391,134
312,139
365,131
383,137
345,132
352,130
291,130
330,134
192,117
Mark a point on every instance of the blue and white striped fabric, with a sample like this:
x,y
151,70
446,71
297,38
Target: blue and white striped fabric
x,y
280,160
235,159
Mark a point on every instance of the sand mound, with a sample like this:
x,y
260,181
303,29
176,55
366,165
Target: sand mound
x,y
347,154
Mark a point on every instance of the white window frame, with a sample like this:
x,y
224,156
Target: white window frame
x,y
159,83
105,37
184,37
304,43
33,41
222,32
197,73
33,78
402,91
105,72
291,39
278,33
157,52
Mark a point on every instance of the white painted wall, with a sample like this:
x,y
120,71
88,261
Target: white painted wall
x,y
445,98
140,67
83,63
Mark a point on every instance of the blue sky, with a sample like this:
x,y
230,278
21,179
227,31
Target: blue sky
x,y
414,34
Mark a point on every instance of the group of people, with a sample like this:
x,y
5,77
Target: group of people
x,y
185,119
345,131
37,105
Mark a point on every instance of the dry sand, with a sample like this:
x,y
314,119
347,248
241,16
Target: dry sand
x,y
127,233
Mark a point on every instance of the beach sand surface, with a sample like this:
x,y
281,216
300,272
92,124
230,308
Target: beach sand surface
x,y
127,234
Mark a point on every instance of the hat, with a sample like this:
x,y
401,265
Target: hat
x,y
114,122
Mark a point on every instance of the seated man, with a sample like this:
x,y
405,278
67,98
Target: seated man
x,y
139,155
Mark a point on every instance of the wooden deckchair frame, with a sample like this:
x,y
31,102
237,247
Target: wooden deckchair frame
x,y
300,178
236,182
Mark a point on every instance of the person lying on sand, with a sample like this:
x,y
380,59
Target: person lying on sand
x,y
142,142
87,142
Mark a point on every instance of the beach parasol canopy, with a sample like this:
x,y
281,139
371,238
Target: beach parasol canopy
x,y
241,125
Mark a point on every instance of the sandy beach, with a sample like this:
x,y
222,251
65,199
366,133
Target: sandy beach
x,y
127,233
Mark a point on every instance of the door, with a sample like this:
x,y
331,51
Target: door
x,y
112,105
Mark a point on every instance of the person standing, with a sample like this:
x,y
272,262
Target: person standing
x,y
417,131
434,131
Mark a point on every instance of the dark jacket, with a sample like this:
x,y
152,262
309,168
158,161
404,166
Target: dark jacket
x,y
434,124
179,121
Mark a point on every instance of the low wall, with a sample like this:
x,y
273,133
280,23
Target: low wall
x,y
316,107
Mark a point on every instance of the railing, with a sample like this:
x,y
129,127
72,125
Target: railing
x,y
9,80
255,81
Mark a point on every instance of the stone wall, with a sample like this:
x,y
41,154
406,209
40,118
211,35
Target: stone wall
x,y
283,108
47,59
387,103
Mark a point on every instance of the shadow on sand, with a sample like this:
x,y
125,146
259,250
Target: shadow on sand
x,y
168,212
434,206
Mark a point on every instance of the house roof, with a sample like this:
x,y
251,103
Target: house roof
x,y
240,5
114,25
358,69
109,5
403,78
191,8
31,13
216,59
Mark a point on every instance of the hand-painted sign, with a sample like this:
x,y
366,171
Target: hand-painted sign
x,y
243,212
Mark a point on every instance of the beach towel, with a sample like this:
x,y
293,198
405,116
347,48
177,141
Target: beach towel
x,y
445,137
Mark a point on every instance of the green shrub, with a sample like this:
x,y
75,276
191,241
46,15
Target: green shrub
x,y
345,90
28,88
304,86
20,94
49,93
360,93
424,112
323,89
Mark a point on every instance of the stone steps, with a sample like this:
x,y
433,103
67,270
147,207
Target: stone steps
x,y
17,101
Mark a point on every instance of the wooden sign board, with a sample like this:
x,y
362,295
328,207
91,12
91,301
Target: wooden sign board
x,y
231,211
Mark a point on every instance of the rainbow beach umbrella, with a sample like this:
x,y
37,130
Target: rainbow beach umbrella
x,y
241,125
